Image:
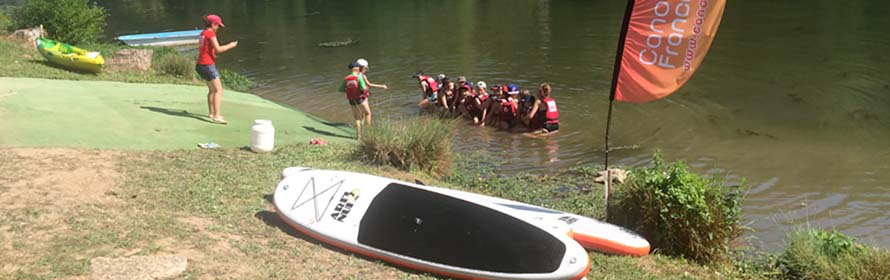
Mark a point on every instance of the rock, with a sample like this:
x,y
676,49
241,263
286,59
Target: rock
x,y
618,176
129,60
341,43
28,35
138,267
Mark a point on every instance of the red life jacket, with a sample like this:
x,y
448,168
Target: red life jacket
x,y
552,114
482,98
353,88
508,108
432,85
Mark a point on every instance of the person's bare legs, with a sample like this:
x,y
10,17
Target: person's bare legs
x,y
357,114
211,95
366,110
217,100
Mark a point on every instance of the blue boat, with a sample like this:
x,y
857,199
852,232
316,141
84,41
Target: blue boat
x,y
173,38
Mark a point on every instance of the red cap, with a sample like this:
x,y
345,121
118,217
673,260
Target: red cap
x,y
211,19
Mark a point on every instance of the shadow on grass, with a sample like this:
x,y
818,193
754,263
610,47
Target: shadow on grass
x,y
178,113
340,126
322,132
273,220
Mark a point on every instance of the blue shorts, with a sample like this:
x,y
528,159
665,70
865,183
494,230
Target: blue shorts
x,y
207,72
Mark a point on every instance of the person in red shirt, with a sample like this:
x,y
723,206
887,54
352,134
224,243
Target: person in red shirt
x,y
208,47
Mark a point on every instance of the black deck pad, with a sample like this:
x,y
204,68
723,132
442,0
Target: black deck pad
x,y
442,229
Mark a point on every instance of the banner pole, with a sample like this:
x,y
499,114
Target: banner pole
x,y
608,174
619,53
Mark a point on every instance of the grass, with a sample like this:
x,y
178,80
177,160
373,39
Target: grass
x,y
417,143
17,60
92,114
168,67
817,254
174,65
213,207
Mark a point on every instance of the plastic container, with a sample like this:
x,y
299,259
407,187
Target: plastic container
x,y
262,136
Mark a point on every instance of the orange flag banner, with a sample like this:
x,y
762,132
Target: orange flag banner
x,y
664,43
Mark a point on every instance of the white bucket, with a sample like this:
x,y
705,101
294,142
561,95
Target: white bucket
x,y
262,136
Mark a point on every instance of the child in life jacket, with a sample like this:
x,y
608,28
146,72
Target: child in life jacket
x,y
356,93
429,89
493,105
525,103
481,103
363,64
546,111
508,107
467,101
446,95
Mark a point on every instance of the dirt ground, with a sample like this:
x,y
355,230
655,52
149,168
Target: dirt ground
x,y
64,207
38,188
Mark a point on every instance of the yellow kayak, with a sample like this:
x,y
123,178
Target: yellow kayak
x,y
70,57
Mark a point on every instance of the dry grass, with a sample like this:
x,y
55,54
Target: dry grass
x,y
64,207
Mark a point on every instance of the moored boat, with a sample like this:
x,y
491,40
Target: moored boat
x,y
70,57
173,38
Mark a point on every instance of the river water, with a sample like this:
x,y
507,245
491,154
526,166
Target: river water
x,y
794,96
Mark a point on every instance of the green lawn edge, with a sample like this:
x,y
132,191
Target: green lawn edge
x,y
115,115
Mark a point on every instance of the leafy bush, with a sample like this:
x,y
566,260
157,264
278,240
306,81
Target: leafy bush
x,y
816,254
69,21
679,212
174,65
159,52
5,23
418,143
234,81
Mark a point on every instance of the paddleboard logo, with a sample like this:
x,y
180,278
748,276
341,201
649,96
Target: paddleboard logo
x,y
346,201
319,213
568,219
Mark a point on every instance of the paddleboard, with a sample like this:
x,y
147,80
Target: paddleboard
x,y
589,233
425,228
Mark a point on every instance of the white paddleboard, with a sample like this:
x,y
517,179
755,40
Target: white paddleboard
x,y
590,233
425,228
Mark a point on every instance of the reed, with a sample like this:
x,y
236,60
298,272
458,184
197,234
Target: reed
x,y
175,65
422,143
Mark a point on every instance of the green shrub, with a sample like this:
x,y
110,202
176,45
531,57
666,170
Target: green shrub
x,y
234,81
421,143
5,23
174,65
160,51
816,254
679,212
69,21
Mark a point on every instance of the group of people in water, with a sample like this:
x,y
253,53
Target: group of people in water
x,y
504,106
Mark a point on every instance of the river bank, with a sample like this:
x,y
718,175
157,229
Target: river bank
x,y
67,206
